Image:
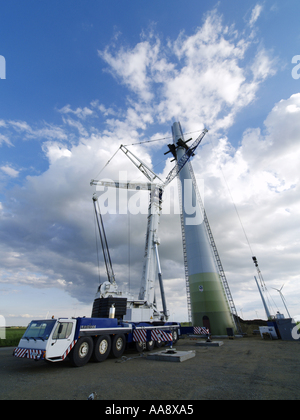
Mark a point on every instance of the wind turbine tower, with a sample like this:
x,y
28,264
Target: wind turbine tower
x,y
209,298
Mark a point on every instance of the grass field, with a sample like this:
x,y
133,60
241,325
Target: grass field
x,y
13,335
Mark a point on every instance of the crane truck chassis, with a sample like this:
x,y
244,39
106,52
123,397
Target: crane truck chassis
x,y
82,339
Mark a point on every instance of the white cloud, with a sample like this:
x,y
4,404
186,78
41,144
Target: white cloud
x,y
10,171
106,111
264,65
21,126
256,11
45,131
5,139
208,82
55,151
81,113
76,124
134,66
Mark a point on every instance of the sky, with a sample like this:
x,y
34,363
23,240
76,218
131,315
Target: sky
x,y
78,79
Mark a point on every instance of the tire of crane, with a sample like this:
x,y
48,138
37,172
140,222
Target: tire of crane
x,y
159,343
82,351
118,345
175,336
102,346
150,345
139,346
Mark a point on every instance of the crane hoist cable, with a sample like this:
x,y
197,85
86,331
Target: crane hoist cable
x,y
108,162
162,138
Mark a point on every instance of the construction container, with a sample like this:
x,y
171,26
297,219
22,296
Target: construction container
x,y
268,331
288,329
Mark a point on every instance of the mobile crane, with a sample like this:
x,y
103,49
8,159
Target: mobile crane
x,y
144,309
117,319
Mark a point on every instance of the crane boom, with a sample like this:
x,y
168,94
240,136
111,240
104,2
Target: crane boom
x,y
140,164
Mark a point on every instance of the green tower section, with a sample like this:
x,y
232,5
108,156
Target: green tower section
x,y
209,305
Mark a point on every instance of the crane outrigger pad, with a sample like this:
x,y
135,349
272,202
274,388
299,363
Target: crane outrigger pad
x,y
209,343
172,355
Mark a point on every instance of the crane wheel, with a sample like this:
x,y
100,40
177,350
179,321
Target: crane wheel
x,y
118,345
102,346
150,345
81,352
139,346
175,336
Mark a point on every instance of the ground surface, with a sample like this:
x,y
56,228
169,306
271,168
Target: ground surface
x,y
246,368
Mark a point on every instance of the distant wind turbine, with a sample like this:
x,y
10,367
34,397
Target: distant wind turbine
x,y
283,299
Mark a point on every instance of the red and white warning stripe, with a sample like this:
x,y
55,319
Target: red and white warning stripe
x,y
19,352
69,349
160,335
140,336
28,353
201,330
